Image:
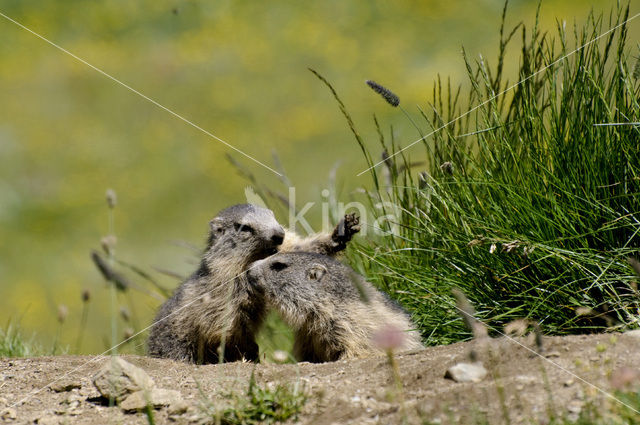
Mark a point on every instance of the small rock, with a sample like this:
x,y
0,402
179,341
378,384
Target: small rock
x,y
466,372
280,356
568,383
157,397
119,378
178,407
65,385
8,414
74,399
552,354
575,406
526,379
49,420
88,391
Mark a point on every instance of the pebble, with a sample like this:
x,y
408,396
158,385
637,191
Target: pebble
x,y
178,407
466,372
48,420
118,378
65,385
575,406
8,414
526,379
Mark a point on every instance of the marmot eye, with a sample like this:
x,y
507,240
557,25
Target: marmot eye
x,y
277,266
243,228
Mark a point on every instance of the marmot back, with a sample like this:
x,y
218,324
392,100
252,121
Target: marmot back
x,y
334,311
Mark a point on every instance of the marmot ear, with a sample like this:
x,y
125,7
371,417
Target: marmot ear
x,y
217,226
316,272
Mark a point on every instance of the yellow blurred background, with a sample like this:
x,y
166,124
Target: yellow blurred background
x,y
237,69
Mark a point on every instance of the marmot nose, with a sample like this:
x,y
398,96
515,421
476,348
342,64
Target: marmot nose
x,y
278,237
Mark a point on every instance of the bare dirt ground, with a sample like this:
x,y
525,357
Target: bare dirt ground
x,y
345,392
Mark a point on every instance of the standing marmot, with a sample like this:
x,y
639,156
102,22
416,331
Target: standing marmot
x,y
216,309
333,310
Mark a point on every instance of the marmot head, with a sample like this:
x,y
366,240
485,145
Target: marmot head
x,y
245,231
301,284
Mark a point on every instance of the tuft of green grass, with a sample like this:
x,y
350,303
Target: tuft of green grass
x,y
14,344
527,204
261,405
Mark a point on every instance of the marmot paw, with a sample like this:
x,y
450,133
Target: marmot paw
x,y
344,231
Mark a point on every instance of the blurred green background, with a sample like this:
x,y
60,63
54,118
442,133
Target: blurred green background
x,y
236,68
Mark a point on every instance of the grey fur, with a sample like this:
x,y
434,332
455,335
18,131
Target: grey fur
x,y
216,307
334,311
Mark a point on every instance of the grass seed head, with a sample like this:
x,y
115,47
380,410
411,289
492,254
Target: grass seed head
x,y
422,180
112,198
128,333
63,312
537,330
124,313
108,244
386,94
447,168
86,296
110,275
465,308
387,159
